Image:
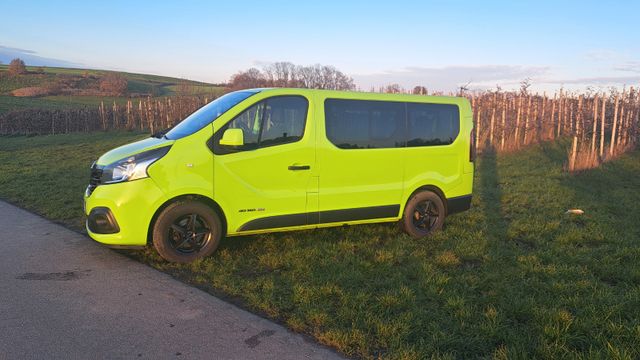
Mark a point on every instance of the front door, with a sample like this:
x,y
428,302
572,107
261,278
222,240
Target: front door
x,y
265,183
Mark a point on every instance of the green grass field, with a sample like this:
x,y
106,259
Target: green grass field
x,y
137,83
515,277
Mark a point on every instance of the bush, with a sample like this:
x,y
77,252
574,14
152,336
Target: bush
x,y
113,84
17,67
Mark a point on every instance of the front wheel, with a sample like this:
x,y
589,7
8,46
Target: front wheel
x,y
186,231
424,214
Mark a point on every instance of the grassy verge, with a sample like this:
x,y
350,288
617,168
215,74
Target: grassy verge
x,y
513,278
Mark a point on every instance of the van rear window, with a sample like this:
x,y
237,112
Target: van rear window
x,y
357,124
432,124
363,124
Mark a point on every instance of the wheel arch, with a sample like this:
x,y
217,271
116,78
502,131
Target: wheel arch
x,y
188,197
433,188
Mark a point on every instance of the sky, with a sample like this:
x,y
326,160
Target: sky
x,y
438,44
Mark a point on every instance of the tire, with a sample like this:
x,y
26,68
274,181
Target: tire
x,y
186,231
423,215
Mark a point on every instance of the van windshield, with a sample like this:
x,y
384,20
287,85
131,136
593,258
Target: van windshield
x,y
208,113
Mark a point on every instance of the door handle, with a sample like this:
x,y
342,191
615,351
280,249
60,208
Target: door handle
x,y
299,167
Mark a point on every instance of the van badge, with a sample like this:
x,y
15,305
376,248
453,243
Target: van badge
x,y
250,210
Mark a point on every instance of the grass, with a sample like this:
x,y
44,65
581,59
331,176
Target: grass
x,y
514,277
137,83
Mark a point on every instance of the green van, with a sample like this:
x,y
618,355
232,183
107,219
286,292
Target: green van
x,y
266,160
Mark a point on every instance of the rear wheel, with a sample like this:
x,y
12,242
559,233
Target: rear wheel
x,y
424,214
186,231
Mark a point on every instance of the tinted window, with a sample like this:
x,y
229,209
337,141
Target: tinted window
x,y
206,114
249,121
359,124
274,121
284,119
432,124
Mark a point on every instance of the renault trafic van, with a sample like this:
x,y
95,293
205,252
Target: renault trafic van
x,y
266,160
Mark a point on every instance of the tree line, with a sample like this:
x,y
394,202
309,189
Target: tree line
x,y
286,74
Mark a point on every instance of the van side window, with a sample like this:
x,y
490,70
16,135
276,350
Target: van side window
x,y
273,121
361,124
432,124
249,122
284,120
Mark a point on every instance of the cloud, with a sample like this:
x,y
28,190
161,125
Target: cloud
x,y
629,66
603,55
451,77
31,58
597,80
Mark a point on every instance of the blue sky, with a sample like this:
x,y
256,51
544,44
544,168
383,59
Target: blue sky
x,y
439,44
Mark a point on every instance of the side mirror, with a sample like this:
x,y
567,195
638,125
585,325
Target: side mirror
x,y
232,137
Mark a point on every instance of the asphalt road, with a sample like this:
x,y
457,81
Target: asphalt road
x,y
62,296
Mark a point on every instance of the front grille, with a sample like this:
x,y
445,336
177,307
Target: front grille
x,y
96,176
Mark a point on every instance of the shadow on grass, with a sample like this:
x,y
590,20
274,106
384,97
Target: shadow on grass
x,y
491,194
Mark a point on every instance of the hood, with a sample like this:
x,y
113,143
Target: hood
x,y
127,150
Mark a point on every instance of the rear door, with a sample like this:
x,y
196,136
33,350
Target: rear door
x,y
360,156
264,183
435,152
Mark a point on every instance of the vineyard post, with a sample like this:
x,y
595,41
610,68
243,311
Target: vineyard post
x,y
526,120
595,124
622,127
129,124
115,114
541,119
102,116
612,142
553,114
560,103
535,113
141,123
604,107
504,114
572,125
493,116
516,136
579,119
478,123
574,151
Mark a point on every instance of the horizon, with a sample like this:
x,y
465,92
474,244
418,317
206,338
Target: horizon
x,y
575,45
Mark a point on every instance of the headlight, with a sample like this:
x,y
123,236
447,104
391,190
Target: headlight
x,y
133,167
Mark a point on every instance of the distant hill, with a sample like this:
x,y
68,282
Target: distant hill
x,y
56,87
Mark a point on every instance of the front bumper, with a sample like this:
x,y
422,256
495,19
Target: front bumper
x,y
120,214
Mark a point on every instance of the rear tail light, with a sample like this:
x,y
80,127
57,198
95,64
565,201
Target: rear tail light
x,y
472,147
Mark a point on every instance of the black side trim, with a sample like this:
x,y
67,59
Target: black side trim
x,y
323,217
375,212
458,204
271,222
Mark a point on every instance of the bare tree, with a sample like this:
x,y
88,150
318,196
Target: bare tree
x,y
419,90
17,67
524,86
280,74
286,74
251,78
463,88
114,84
393,89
